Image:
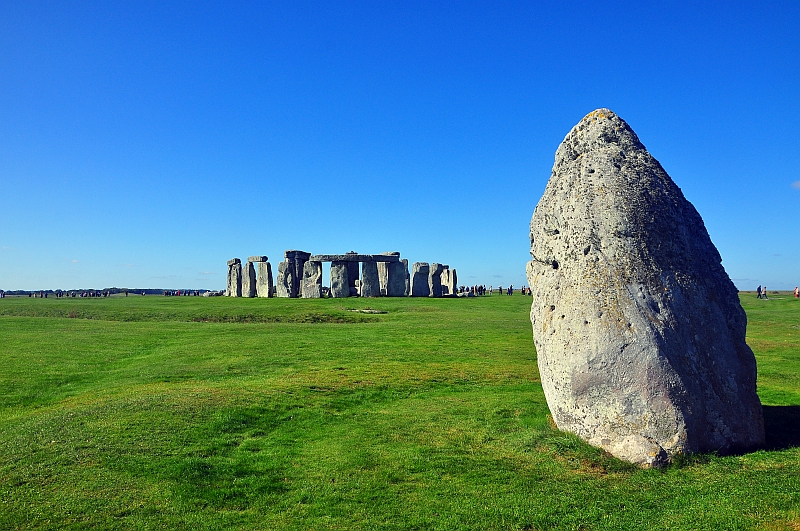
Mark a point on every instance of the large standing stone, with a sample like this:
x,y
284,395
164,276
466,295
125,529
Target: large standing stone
x,y
370,285
435,280
352,271
234,278
264,284
444,279
340,282
297,260
284,284
396,273
249,280
452,282
639,332
419,279
407,280
383,273
312,280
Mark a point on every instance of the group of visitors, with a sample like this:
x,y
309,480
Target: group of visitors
x,y
761,292
181,293
510,290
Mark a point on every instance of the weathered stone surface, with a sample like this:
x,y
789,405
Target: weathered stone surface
x,y
407,280
257,259
354,257
396,273
383,272
249,280
435,280
297,260
264,284
353,272
234,278
444,279
452,282
370,285
419,279
340,283
639,332
312,280
284,283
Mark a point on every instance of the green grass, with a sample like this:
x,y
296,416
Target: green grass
x,y
218,413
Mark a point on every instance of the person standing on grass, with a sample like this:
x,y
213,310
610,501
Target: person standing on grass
x,y
764,293
758,292
796,293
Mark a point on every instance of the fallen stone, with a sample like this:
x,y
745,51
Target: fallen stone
x,y
312,280
435,280
340,283
639,331
419,279
370,285
249,280
264,285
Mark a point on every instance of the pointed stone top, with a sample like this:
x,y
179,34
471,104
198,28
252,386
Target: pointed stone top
x,y
597,130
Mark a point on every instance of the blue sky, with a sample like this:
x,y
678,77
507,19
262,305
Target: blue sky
x,y
142,144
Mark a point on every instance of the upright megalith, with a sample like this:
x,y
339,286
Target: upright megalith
x,y
419,279
435,280
452,282
234,288
396,273
296,260
352,271
284,283
407,278
340,281
638,329
370,286
264,283
249,280
311,286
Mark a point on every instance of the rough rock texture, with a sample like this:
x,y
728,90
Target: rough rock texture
x,y
264,284
383,272
452,283
249,280
370,285
352,258
445,280
284,284
419,279
407,279
297,260
435,280
234,278
257,259
340,281
312,280
396,273
638,329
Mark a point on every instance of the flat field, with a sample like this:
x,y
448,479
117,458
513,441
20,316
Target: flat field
x,y
217,413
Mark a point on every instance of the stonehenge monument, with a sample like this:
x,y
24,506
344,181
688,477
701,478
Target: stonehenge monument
x,y
352,274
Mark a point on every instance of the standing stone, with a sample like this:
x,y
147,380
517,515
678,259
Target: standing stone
x,y
419,280
340,283
445,280
383,273
407,279
284,284
453,282
435,280
312,280
639,331
234,278
297,260
396,273
370,285
352,274
264,285
249,280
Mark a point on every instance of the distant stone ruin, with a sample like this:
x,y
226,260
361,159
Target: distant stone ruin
x,y
352,274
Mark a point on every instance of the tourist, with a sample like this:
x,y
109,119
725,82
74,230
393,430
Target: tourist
x,y
764,293
758,292
796,293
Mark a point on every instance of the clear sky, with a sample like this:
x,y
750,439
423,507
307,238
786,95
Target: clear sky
x,y
142,144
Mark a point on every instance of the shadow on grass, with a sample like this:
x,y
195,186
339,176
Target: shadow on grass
x,y
782,427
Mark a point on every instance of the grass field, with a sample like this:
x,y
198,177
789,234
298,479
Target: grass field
x,y
217,413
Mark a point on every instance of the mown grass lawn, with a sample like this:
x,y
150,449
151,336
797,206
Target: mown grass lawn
x,y
218,413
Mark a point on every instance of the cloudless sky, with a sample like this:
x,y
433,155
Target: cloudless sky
x,y
142,144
